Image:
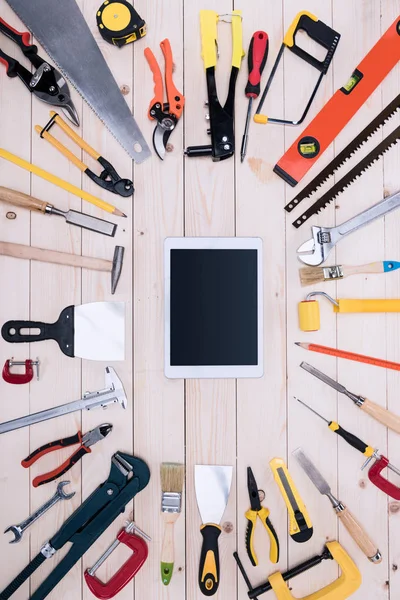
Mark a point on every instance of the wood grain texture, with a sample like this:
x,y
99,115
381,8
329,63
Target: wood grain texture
x,y
240,423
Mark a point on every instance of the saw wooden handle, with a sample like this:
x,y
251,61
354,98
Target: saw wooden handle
x,y
52,256
20,199
360,536
382,415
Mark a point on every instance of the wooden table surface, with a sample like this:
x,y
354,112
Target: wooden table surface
x,y
232,422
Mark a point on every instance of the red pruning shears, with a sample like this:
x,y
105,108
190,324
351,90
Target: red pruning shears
x,y
85,441
167,113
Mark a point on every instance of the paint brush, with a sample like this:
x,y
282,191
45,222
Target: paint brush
x,y
172,475
313,275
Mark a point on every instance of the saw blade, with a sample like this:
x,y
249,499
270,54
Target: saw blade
x,y
351,176
345,154
64,34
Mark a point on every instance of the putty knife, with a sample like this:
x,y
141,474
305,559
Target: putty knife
x,y
95,331
213,484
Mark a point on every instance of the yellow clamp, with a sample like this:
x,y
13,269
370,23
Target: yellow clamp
x,y
348,582
209,38
309,314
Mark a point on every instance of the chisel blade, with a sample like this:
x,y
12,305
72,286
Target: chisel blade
x,y
61,29
320,483
334,384
74,217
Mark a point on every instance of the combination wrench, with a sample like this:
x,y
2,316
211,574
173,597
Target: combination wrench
x,y
18,530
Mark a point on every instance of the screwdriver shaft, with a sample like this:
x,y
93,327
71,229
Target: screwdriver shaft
x,y
245,137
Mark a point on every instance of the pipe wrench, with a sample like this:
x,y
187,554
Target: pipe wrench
x,y
316,250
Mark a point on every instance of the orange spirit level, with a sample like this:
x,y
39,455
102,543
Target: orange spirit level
x,y
343,105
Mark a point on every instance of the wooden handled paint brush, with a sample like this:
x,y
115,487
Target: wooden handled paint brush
x,y
313,275
172,475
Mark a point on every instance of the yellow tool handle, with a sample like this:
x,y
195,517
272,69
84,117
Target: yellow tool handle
x,y
237,39
208,31
56,180
367,306
59,146
360,536
273,538
20,199
288,40
52,256
74,136
382,415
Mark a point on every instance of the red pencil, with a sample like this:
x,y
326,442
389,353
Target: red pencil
x,y
370,360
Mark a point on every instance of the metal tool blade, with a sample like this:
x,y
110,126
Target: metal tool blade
x,y
63,32
100,331
74,217
160,139
334,384
212,484
288,489
320,483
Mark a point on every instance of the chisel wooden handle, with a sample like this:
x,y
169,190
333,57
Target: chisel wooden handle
x,y
359,536
381,414
52,256
20,199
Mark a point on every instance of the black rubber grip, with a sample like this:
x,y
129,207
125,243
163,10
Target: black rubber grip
x,y
42,479
22,577
56,445
249,533
209,581
351,439
10,64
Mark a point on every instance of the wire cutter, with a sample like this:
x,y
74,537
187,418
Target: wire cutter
x,y
167,113
85,441
256,510
45,82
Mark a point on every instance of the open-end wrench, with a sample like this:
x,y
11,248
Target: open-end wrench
x,y
18,530
315,251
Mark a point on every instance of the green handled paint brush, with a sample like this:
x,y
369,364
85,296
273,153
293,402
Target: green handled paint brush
x,y
172,475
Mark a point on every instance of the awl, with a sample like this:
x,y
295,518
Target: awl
x,y
374,410
113,393
349,521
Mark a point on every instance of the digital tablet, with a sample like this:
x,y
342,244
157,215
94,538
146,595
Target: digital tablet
x,y
213,307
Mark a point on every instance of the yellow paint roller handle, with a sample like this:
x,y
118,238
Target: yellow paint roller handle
x,y
237,39
367,306
208,30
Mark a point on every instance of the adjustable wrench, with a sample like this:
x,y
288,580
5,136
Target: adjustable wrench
x,y
315,251
18,530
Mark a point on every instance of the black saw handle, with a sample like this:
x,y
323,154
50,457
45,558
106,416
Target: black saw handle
x,y
62,331
209,560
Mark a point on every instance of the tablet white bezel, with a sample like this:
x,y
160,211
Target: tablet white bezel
x,y
212,372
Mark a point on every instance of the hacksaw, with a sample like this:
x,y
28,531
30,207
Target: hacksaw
x,y
63,32
343,105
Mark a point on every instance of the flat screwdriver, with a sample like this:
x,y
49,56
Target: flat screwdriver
x,y
351,439
256,59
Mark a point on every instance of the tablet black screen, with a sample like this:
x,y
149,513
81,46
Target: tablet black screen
x,y
213,318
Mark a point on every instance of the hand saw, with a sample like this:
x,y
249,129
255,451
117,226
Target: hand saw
x,y
343,105
63,32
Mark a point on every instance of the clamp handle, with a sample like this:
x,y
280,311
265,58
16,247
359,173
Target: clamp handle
x,y
18,378
374,475
124,575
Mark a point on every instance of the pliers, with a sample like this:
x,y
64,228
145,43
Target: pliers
x,y
167,113
256,510
45,82
86,440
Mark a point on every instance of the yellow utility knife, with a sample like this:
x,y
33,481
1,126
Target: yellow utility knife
x,y
300,527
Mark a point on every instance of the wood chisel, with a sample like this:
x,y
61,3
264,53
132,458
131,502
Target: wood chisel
x,y
300,528
73,217
349,521
379,413
343,105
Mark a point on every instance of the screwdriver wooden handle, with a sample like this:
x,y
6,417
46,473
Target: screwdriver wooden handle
x,y
382,415
20,199
52,256
360,536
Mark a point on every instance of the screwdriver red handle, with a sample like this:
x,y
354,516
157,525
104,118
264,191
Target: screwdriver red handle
x,y
256,59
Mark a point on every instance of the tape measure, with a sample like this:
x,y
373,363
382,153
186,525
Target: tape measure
x,y
119,23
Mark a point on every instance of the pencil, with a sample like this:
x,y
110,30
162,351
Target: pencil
x,y
61,183
370,360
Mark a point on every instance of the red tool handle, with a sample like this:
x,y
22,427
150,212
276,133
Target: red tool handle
x,y
256,59
17,378
104,591
51,447
20,38
66,466
374,475
157,79
175,99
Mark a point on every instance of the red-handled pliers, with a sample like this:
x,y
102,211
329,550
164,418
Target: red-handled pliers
x,y
90,438
167,113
